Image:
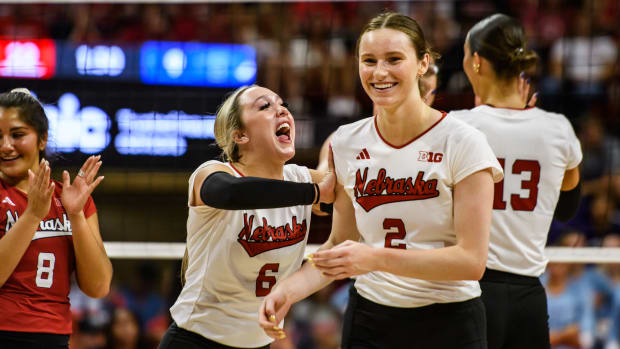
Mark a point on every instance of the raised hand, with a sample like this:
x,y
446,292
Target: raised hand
x,y
40,190
272,311
74,195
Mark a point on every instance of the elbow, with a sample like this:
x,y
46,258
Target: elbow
x,y
98,291
477,268
98,288
478,272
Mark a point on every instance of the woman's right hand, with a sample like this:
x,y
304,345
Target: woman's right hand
x,y
40,191
272,311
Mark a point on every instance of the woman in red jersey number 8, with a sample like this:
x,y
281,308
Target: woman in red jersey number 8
x,y
48,229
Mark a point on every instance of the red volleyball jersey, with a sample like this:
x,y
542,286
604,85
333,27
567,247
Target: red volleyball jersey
x,y
35,298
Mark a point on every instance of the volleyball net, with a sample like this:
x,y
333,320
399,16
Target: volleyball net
x,y
175,250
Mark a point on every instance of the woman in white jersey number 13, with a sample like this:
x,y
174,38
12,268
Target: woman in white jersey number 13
x,y
247,225
540,154
412,211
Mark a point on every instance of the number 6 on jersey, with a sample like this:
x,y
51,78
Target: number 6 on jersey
x,y
264,282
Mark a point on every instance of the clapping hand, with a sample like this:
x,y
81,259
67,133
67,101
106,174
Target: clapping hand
x,y
74,195
40,190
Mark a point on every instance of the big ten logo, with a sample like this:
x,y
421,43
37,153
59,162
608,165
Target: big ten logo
x,y
429,156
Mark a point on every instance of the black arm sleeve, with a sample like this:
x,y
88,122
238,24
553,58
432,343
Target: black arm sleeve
x,y
568,204
225,191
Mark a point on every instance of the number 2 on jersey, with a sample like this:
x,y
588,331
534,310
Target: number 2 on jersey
x,y
261,289
517,202
399,234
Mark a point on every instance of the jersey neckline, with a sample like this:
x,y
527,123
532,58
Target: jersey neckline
x,y
527,107
443,116
235,169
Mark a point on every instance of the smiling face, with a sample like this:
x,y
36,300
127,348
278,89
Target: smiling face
x,y
388,66
19,147
268,125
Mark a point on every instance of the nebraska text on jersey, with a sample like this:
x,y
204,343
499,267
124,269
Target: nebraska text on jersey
x,y
383,190
266,237
47,228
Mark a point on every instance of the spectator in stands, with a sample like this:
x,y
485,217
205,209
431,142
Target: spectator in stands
x,y
123,331
570,302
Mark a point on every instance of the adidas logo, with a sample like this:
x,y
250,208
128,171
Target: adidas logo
x,y
8,201
363,155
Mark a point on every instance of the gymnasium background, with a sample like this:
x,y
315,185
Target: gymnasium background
x,y
139,83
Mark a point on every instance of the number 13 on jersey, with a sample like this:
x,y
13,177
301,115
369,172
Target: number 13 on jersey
x,y
517,202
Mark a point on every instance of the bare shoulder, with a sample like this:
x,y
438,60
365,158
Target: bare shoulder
x,y
205,171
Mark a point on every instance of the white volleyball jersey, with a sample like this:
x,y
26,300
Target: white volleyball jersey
x,y
535,149
235,258
403,198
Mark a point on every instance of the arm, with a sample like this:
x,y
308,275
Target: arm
x,y
308,279
15,242
570,196
220,189
473,198
93,267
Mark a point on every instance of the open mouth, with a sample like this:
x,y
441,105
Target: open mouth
x,y
384,85
283,133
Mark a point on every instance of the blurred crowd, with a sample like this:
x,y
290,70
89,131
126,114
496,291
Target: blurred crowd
x,y
306,52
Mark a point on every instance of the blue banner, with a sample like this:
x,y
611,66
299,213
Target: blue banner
x,y
197,64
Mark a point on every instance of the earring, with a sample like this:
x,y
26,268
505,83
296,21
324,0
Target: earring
x,y
477,67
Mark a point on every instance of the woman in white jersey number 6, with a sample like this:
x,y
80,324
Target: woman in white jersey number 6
x,y
248,224
412,211
540,154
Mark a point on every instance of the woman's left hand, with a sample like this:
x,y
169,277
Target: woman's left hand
x,y
74,195
344,260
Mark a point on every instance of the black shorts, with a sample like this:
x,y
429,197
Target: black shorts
x,y
516,308
459,325
29,340
178,338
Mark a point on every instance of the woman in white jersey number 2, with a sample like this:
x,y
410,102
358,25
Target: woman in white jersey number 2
x,y
412,212
247,227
